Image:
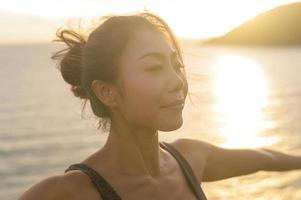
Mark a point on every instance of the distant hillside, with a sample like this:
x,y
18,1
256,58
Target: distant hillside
x,y
279,26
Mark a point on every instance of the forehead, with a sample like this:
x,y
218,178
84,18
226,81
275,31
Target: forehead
x,y
145,41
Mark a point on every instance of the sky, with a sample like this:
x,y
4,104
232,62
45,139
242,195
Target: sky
x,y
36,21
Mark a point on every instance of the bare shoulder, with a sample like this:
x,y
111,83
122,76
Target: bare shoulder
x,y
192,146
196,152
51,188
72,185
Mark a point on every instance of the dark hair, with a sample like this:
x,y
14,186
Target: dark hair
x,y
95,58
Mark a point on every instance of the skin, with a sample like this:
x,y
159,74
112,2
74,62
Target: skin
x,y
131,160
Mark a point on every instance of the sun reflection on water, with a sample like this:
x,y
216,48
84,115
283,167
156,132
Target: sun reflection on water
x,y
241,91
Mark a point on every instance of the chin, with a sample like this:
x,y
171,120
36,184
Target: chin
x,y
171,126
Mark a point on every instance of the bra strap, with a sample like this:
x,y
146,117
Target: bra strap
x,y
105,190
190,176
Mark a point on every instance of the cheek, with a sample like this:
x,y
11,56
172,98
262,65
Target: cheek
x,y
143,98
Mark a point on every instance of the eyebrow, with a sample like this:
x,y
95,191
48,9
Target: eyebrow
x,y
158,55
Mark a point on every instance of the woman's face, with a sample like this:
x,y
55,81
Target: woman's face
x,y
150,78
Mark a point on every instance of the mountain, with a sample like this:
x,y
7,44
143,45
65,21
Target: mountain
x,y
280,26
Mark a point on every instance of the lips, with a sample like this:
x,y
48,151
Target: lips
x,y
177,103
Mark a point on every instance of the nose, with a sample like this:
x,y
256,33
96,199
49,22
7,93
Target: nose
x,y
176,81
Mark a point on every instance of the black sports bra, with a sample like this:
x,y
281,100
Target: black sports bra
x,y
107,192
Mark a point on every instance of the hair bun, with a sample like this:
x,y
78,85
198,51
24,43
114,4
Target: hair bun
x,y
71,59
71,66
80,92
71,70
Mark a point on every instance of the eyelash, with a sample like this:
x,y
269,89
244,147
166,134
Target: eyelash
x,y
155,67
178,66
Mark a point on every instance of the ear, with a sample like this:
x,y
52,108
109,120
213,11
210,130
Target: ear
x,y
104,92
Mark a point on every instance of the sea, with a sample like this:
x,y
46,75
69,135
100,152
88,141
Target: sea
x,y
239,97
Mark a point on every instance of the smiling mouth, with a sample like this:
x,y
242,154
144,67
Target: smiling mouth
x,y
176,107
179,104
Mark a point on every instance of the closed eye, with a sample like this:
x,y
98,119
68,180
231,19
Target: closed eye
x,y
155,68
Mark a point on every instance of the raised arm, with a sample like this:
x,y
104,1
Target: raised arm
x,y
222,163
282,161
225,163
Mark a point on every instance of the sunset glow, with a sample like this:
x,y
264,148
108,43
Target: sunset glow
x,y
188,19
241,90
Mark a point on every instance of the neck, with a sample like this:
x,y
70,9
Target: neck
x,y
134,151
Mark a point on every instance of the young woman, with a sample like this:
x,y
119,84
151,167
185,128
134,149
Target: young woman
x,y
131,70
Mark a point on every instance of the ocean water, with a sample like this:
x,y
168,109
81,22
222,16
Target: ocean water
x,y
238,98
